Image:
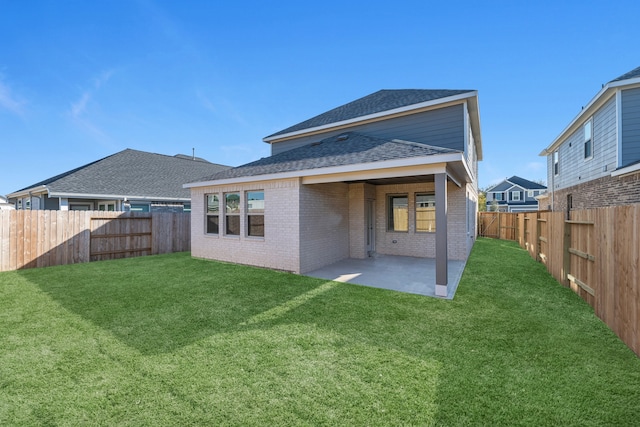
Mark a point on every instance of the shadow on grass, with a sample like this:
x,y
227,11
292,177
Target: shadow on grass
x,y
160,303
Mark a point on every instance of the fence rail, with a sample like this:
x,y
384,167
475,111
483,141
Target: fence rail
x,y
595,252
31,239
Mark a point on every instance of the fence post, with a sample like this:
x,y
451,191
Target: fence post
x,y
566,255
537,241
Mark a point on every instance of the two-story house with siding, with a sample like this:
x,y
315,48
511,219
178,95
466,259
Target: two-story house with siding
x,y
394,172
595,161
514,194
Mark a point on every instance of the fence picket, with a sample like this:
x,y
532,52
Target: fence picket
x,y
45,238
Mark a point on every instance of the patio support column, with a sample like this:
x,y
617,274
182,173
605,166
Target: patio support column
x,y
442,272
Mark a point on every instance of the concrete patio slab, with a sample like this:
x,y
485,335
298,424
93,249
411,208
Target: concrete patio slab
x,y
398,273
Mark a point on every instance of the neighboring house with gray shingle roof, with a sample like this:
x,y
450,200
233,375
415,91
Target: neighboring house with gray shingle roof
x,y
514,194
394,172
595,161
129,180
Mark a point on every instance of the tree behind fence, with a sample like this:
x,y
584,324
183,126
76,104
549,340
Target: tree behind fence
x,y
596,253
31,239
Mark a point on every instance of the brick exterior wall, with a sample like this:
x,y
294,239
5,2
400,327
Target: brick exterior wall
x,y
280,247
598,193
324,225
421,244
311,226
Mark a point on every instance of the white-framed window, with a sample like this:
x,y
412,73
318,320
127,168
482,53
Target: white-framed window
x,y
531,193
107,206
497,196
212,202
515,196
398,212
232,214
556,163
426,212
588,139
255,213
186,207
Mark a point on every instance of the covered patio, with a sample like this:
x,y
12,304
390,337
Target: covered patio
x,y
398,273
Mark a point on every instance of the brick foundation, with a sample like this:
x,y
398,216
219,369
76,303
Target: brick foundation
x,y
598,193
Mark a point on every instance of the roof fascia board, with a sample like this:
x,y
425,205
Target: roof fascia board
x,y
360,167
114,196
28,191
427,105
377,174
454,177
474,115
601,97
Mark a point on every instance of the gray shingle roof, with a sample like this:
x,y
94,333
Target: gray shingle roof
x,y
133,173
377,102
630,75
340,150
524,183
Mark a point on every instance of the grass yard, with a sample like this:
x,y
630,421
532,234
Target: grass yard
x,y
170,340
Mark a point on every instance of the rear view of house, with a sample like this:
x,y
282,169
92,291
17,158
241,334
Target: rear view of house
x,y
595,161
394,172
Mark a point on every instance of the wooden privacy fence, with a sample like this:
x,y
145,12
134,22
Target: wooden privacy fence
x,y
31,239
595,252
498,225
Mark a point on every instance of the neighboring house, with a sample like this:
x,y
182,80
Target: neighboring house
x,y
393,173
595,161
514,194
130,180
4,204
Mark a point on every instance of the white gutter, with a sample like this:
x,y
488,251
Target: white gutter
x,y
373,116
28,191
114,196
359,167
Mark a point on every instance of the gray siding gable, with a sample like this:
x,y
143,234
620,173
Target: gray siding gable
x,y
442,127
574,169
377,102
348,148
630,104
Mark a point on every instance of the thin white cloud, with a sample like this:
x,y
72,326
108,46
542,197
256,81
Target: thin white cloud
x,y
103,78
9,101
206,102
78,108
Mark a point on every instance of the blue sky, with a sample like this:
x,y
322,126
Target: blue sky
x,y
80,80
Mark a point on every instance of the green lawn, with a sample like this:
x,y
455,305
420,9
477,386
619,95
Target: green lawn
x,y
170,340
